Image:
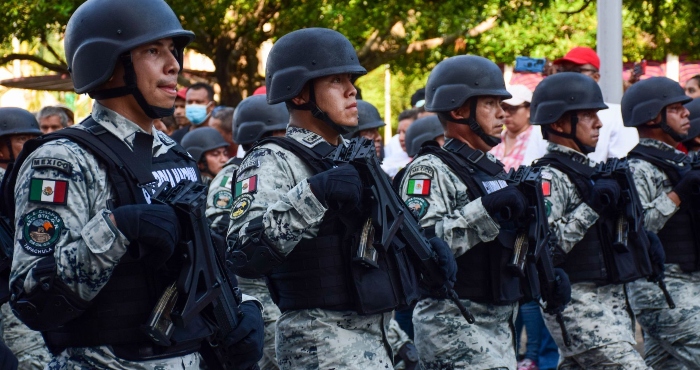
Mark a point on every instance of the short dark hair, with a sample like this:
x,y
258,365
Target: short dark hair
x,y
418,96
205,86
225,115
408,114
696,78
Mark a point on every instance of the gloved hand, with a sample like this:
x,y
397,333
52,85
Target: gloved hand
x,y
605,194
409,355
154,226
562,290
657,255
505,204
446,258
339,188
689,186
245,343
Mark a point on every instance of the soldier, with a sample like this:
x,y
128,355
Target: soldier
x,y
209,149
692,139
667,187
92,256
422,130
459,194
369,122
295,216
578,209
256,120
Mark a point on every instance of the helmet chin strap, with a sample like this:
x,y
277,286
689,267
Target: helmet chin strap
x,y
475,127
321,115
585,149
663,125
132,89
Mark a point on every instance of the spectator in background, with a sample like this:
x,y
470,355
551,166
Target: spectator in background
x,y
179,114
692,87
53,118
165,124
515,137
395,156
199,105
222,120
615,140
692,139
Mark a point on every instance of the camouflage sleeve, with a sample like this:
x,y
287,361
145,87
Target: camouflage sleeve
x,y
568,216
280,194
61,196
445,205
220,199
653,186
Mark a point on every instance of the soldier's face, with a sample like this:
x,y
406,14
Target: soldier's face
x,y
490,115
156,72
216,159
373,134
588,127
677,118
335,95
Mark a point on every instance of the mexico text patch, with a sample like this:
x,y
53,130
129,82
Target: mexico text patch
x,y
53,163
41,229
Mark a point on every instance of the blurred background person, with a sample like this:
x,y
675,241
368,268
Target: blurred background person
x,y
222,120
209,150
255,120
692,87
198,108
515,137
53,118
692,139
368,125
165,124
179,114
395,157
421,131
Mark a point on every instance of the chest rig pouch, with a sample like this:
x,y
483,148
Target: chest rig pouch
x,y
595,258
340,269
482,274
679,236
115,316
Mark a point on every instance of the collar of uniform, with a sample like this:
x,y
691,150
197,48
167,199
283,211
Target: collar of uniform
x,y
657,144
574,155
309,138
124,129
490,156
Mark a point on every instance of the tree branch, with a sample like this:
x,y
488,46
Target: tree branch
x,y
33,58
582,8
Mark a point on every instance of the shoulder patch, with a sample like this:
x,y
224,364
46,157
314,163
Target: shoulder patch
x,y
546,188
223,199
546,175
53,163
241,206
547,207
311,139
418,187
165,138
421,170
226,182
246,165
249,185
418,206
40,231
48,191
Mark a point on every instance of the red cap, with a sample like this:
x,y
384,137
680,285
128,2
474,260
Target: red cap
x,y
260,91
581,55
182,93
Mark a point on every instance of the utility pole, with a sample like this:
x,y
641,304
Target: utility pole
x,y
609,40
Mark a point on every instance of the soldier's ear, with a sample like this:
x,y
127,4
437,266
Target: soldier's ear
x,y
303,96
462,112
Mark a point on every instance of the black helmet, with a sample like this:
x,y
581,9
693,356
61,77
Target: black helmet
x,y
422,130
694,109
368,116
303,55
201,140
17,121
564,92
254,118
456,79
561,93
100,31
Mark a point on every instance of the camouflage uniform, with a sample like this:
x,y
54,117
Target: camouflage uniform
x,y
307,338
83,234
671,336
601,329
219,202
443,337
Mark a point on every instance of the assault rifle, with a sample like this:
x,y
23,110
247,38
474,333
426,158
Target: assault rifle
x,y
204,285
630,222
532,244
392,219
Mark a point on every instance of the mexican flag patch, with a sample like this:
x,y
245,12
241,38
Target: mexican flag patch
x,y
226,182
246,186
546,188
48,191
418,187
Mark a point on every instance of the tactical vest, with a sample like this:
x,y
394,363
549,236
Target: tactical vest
x,y
679,235
594,258
124,304
482,275
325,272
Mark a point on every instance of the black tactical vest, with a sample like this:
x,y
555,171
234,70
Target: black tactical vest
x,y
324,272
679,236
595,259
482,275
124,304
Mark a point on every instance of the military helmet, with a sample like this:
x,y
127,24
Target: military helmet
x,y
368,116
644,100
564,92
456,79
99,31
422,130
292,63
254,118
17,121
694,109
201,140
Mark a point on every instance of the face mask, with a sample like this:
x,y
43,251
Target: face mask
x,y
196,113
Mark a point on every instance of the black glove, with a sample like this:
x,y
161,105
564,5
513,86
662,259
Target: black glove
x,y
339,188
154,227
657,255
562,289
409,354
8,360
446,258
689,186
245,342
605,193
505,204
